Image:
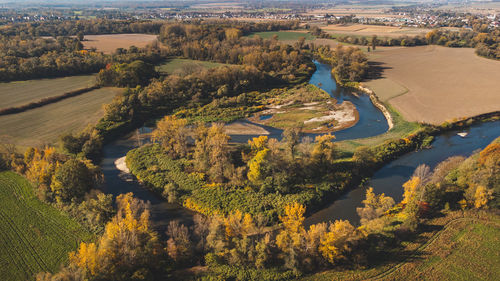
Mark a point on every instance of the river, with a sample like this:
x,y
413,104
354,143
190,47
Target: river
x,y
371,123
390,178
117,182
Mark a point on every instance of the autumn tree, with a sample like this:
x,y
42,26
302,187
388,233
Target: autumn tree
x,y
335,243
179,246
129,248
257,167
71,181
324,150
374,206
220,162
289,240
233,33
171,133
291,138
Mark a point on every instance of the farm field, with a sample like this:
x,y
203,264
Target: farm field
x,y
459,248
283,35
23,92
180,65
370,30
435,84
34,236
110,42
45,124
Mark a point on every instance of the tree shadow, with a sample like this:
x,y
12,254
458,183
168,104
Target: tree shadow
x,y
376,70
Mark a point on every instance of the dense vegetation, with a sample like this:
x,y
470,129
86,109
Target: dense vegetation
x,y
238,246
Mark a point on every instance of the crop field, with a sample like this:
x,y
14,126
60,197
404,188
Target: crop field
x,y
23,92
185,65
110,42
459,248
435,84
283,35
45,124
34,236
370,30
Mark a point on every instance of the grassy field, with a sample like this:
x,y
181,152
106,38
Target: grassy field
x,y
283,35
45,124
110,42
23,92
34,236
179,65
455,247
434,84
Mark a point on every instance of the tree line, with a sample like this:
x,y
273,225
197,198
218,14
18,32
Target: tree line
x,y
484,39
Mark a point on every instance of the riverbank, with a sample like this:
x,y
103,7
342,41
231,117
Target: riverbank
x,y
375,100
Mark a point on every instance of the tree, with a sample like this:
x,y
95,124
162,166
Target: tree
x,y
335,243
201,150
71,181
411,190
374,42
289,240
257,167
233,33
324,151
171,133
374,206
80,35
179,245
482,196
291,137
220,163
364,155
128,249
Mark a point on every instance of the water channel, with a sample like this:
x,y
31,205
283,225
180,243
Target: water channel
x,y
371,123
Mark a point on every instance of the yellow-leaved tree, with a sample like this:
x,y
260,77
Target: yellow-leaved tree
x,y
127,248
482,196
171,133
335,243
289,240
256,166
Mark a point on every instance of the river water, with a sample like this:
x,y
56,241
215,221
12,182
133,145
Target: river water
x,y
390,178
117,182
371,123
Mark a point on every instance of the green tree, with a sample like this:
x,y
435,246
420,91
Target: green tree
x,y
71,181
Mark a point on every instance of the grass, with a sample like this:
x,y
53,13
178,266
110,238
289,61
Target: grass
x,y
34,236
461,247
175,65
401,129
23,92
283,35
45,124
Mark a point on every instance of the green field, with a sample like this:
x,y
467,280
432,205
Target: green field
x,y
466,250
45,124
174,65
283,35
34,236
23,92
460,248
